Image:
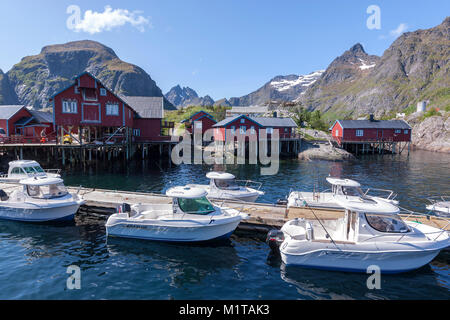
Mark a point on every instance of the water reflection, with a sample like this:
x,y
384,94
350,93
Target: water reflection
x,y
177,259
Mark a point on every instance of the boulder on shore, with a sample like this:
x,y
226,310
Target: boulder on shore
x,y
323,151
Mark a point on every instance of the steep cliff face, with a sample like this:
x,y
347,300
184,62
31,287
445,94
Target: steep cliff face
x,y
432,133
36,78
415,67
7,94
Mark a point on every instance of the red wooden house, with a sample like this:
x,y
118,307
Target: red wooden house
x,y
91,110
367,131
200,120
148,122
19,124
244,125
88,106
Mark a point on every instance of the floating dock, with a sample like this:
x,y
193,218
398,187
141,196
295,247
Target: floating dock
x,y
262,216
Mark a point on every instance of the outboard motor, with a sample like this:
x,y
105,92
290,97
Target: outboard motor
x,y
274,239
124,208
3,195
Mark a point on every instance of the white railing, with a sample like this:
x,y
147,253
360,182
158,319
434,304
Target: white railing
x,y
391,193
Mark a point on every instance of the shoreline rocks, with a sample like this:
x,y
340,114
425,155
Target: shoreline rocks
x,y
323,151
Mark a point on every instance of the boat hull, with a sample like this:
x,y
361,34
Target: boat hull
x,y
170,232
61,213
354,261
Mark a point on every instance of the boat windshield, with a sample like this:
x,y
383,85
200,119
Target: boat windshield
x,y
29,170
47,191
230,184
38,169
387,223
350,191
196,206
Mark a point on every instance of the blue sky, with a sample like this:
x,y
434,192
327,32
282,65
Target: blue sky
x,y
221,48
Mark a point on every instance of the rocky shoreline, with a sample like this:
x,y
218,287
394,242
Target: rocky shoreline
x,y
431,134
323,151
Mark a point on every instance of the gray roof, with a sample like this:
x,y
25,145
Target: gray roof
x,y
42,116
8,111
376,124
263,121
146,107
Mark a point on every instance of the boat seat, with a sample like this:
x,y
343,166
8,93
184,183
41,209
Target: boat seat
x,y
150,214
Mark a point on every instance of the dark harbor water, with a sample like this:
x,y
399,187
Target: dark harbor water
x,y
34,258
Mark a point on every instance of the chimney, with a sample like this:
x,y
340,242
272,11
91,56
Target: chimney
x,y
371,118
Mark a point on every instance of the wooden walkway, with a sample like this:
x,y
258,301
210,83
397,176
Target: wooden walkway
x,y
262,217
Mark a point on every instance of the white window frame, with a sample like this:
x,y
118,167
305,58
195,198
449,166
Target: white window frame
x,y
336,133
360,133
198,124
76,90
252,130
110,111
242,129
269,130
406,131
137,132
397,131
242,120
69,106
233,129
103,92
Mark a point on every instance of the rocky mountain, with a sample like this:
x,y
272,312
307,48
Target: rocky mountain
x,y
280,88
184,97
7,94
36,78
415,67
223,102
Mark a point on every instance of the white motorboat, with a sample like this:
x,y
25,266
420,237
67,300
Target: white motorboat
x,y
439,205
190,218
327,198
22,169
39,199
224,186
367,233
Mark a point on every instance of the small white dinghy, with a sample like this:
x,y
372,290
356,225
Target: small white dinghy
x,y
41,199
439,205
224,186
190,218
22,169
327,198
368,232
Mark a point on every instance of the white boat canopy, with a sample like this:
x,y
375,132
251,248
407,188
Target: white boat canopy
x,y
220,175
367,205
186,192
343,182
40,181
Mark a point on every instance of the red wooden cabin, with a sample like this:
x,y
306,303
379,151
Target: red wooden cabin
x,y
90,108
360,131
20,125
244,125
200,120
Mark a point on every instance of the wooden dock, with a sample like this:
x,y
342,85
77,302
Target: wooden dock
x,y
262,217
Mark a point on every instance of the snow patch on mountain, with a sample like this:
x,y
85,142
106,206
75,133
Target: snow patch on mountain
x,y
302,80
365,66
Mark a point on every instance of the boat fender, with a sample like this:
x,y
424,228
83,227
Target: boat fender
x,y
3,195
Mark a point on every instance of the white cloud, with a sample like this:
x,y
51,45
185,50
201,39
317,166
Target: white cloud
x,y
402,27
96,22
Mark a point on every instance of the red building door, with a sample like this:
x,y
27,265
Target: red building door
x,y
91,112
